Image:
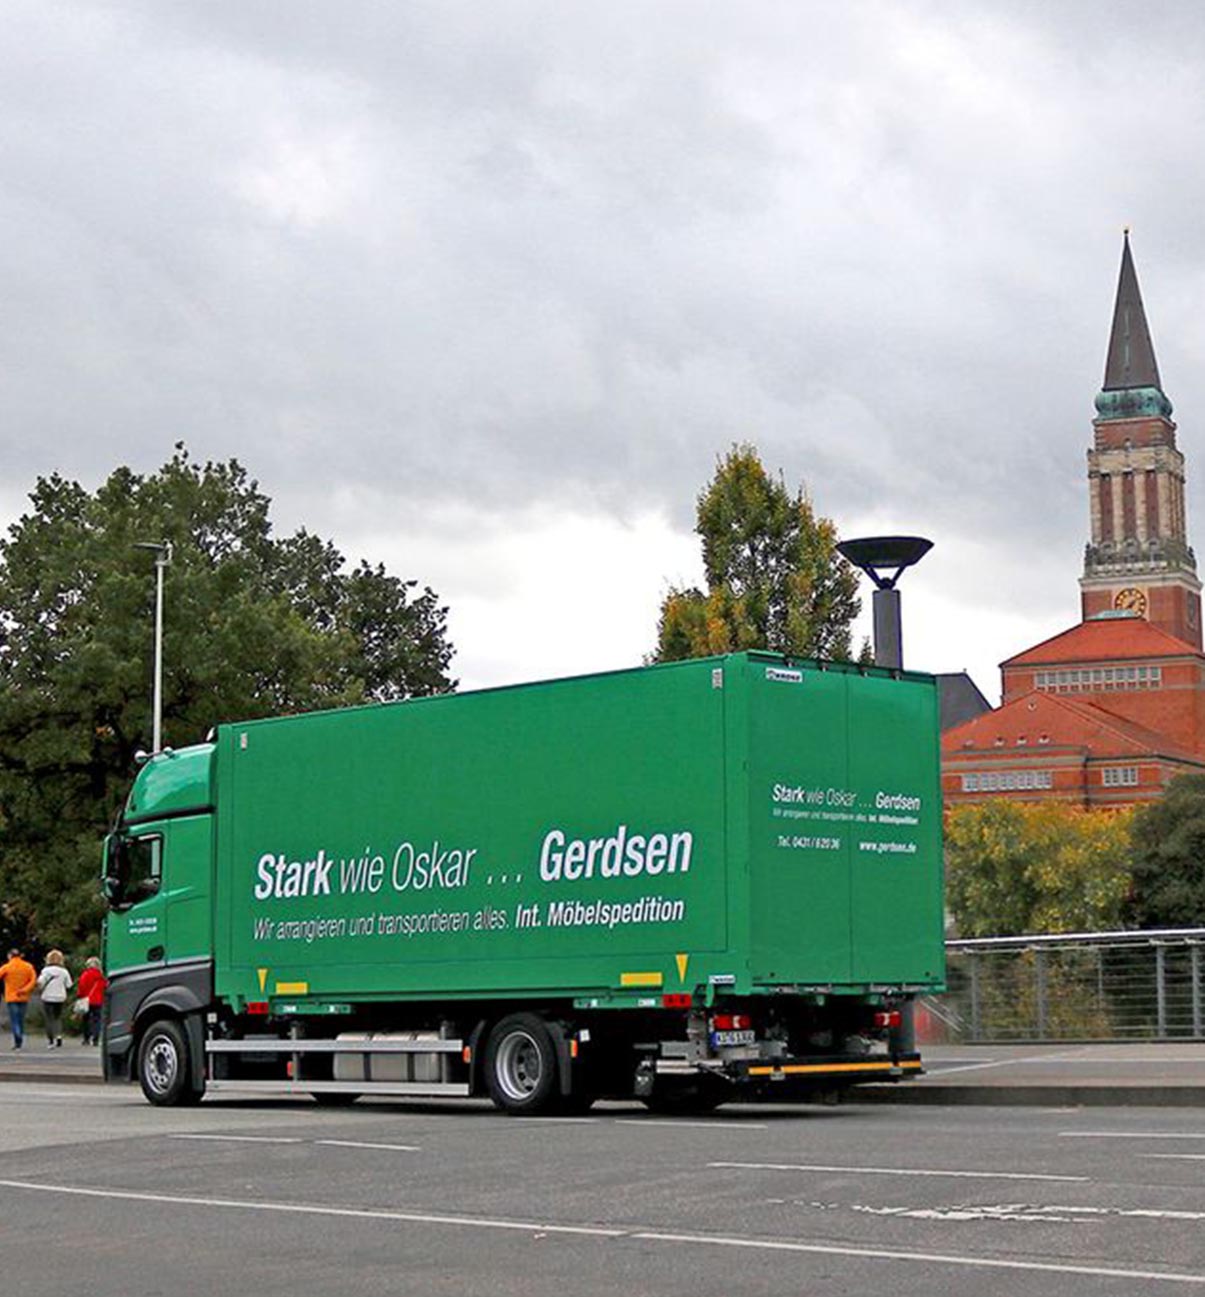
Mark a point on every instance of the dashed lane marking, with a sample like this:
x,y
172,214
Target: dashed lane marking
x,y
352,1143
690,1125
245,1139
1128,1134
904,1171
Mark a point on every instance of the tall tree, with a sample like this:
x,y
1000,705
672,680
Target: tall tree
x,y
774,577
1169,858
1020,867
253,626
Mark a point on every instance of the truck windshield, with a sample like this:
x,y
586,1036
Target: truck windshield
x,y
132,869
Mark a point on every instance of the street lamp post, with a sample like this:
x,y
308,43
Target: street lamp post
x,y
876,556
163,556
883,559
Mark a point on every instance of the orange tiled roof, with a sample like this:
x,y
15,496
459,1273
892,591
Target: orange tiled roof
x,y
1108,639
1046,721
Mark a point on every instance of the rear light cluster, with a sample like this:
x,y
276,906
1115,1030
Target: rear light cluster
x,y
887,1018
731,1022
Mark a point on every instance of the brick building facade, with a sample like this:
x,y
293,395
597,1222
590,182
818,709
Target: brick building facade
x,y
1108,711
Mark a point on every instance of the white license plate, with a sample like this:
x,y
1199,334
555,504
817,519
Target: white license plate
x,y
722,1038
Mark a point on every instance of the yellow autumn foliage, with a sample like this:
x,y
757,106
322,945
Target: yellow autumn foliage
x,y
1021,867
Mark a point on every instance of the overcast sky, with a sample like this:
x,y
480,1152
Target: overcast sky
x,y
482,290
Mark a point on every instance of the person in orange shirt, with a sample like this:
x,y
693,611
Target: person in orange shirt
x,y
19,980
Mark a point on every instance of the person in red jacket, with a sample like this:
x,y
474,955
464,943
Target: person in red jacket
x,y
91,987
19,980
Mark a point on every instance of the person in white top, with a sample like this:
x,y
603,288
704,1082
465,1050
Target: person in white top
x,y
54,981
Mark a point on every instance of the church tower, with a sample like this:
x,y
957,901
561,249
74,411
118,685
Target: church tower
x,y
1138,560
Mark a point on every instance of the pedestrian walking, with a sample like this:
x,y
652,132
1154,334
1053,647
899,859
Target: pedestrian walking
x,y
92,983
19,980
54,981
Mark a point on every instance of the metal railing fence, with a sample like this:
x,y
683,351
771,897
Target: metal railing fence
x,y
1074,986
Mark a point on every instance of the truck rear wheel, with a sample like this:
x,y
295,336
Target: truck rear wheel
x,y
165,1065
521,1065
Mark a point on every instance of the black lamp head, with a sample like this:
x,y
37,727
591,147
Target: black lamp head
x,y
874,553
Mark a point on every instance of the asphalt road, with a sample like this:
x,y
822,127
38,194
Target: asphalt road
x,y
102,1195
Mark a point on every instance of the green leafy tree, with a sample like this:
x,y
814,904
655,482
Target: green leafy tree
x,y
253,626
774,577
1169,858
1019,867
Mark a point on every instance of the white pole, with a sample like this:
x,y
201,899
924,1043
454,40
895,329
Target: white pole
x,y
162,558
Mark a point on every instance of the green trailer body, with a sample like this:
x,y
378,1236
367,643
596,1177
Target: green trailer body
x,y
672,839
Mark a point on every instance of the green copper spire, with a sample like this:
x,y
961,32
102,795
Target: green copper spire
x,y
1132,388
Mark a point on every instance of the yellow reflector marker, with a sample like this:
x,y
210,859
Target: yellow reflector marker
x,y
682,960
292,988
640,979
263,979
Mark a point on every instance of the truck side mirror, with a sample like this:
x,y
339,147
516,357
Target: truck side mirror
x,y
113,876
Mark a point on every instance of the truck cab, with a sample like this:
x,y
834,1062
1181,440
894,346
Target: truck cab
x,y
158,882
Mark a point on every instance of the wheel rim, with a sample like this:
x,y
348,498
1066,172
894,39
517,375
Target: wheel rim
x,y
519,1066
160,1065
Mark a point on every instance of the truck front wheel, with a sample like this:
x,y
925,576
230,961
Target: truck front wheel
x,y
521,1065
165,1066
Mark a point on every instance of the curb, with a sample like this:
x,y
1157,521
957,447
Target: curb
x,y
52,1078
1031,1096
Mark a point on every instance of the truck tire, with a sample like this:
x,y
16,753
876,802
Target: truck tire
x,y
165,1065
521,1066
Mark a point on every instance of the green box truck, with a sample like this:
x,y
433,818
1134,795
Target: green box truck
x,y
686,883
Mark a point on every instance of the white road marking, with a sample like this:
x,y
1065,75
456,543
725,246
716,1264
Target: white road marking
x,y
509,1123
305,1209
937,1070
644,1236
245,1139
1173,1157
905,1171
691,1125
1125,1061
1020,1211
274,1139
351,1143
931,1258
1126,1134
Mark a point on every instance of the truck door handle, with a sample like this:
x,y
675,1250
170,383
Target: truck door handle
x,y
155,952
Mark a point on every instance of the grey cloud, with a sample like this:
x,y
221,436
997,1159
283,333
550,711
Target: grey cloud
x,y
521,251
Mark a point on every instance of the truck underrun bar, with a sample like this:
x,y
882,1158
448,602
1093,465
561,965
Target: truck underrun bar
x,y
851,1068
889,1069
